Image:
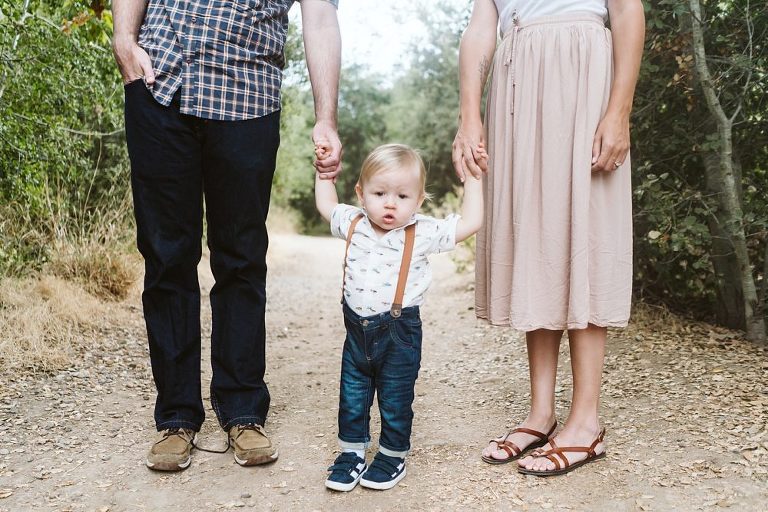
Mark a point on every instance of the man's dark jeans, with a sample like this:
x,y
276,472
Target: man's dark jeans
x,y
176,162
382,355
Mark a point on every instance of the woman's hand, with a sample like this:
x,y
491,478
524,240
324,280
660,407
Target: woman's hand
x,y
469,155
611,143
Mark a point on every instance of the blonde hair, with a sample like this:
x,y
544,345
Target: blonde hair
x,y
392,156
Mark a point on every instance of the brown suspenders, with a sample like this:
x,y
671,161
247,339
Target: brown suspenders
x,y
405,264
346,251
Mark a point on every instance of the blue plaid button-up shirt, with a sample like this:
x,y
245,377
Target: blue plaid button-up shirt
x,y
226,55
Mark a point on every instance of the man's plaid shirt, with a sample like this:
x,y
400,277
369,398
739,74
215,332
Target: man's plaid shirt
x,y
226,55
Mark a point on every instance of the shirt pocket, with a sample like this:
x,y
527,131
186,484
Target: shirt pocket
x,y
271,31
233,21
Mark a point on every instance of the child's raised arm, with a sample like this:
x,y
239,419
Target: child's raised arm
x,y
471,209
325,197
325,189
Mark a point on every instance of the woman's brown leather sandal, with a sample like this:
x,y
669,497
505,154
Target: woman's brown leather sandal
x,y
513,451
557,454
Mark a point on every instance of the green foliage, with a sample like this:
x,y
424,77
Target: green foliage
x,y
418,108
62,156
672,137
63,164
425,101
362,107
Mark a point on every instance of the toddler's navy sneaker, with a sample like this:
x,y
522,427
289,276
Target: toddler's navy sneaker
x,y
384,472
345,472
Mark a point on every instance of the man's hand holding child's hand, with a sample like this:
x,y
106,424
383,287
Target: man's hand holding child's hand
x,y
323,150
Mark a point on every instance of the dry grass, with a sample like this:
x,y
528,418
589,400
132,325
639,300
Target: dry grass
x,y
42,321
103,270
650,317
46,318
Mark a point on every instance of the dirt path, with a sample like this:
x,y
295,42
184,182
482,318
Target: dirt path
x,y
685,412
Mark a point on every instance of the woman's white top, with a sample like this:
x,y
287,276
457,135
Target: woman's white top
x,y
528,10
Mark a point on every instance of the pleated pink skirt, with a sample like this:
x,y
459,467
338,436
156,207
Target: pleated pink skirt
x,y
555,251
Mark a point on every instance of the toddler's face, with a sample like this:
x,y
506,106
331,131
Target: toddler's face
x,y
391,197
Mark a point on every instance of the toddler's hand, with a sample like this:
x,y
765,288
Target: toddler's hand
x,y
322,149
481,155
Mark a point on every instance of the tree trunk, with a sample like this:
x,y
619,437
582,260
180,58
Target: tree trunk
x,y
730,213
729,310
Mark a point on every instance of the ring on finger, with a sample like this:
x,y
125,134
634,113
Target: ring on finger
x,y
617,164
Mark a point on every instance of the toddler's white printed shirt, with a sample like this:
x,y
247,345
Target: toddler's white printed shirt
x,y
373,262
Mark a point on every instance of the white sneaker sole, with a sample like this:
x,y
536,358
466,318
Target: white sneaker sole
x,y
382,486
338,486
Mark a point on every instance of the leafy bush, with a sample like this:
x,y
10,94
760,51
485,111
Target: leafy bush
x,y
62,152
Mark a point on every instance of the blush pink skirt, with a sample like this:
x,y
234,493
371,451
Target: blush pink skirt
x,y
555,251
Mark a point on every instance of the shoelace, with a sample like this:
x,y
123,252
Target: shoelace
x,y
176,431
190,437
248,426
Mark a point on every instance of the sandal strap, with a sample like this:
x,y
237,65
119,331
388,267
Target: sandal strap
x,y
552,430
532,432
558,452
501,439
511,448
536,433
599,439
555,461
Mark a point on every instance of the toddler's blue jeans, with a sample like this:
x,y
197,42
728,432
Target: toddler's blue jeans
x,y
381,356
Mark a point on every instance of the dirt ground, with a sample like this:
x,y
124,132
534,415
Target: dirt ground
x,y
684,406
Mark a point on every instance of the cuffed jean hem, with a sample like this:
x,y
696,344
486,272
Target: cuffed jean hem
x,y
346,445
393,453
178,424
242,420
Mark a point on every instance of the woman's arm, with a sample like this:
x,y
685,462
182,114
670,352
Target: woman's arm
x,y
611,143
478,45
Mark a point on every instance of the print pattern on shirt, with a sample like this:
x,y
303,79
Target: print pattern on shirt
x,y
373,262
